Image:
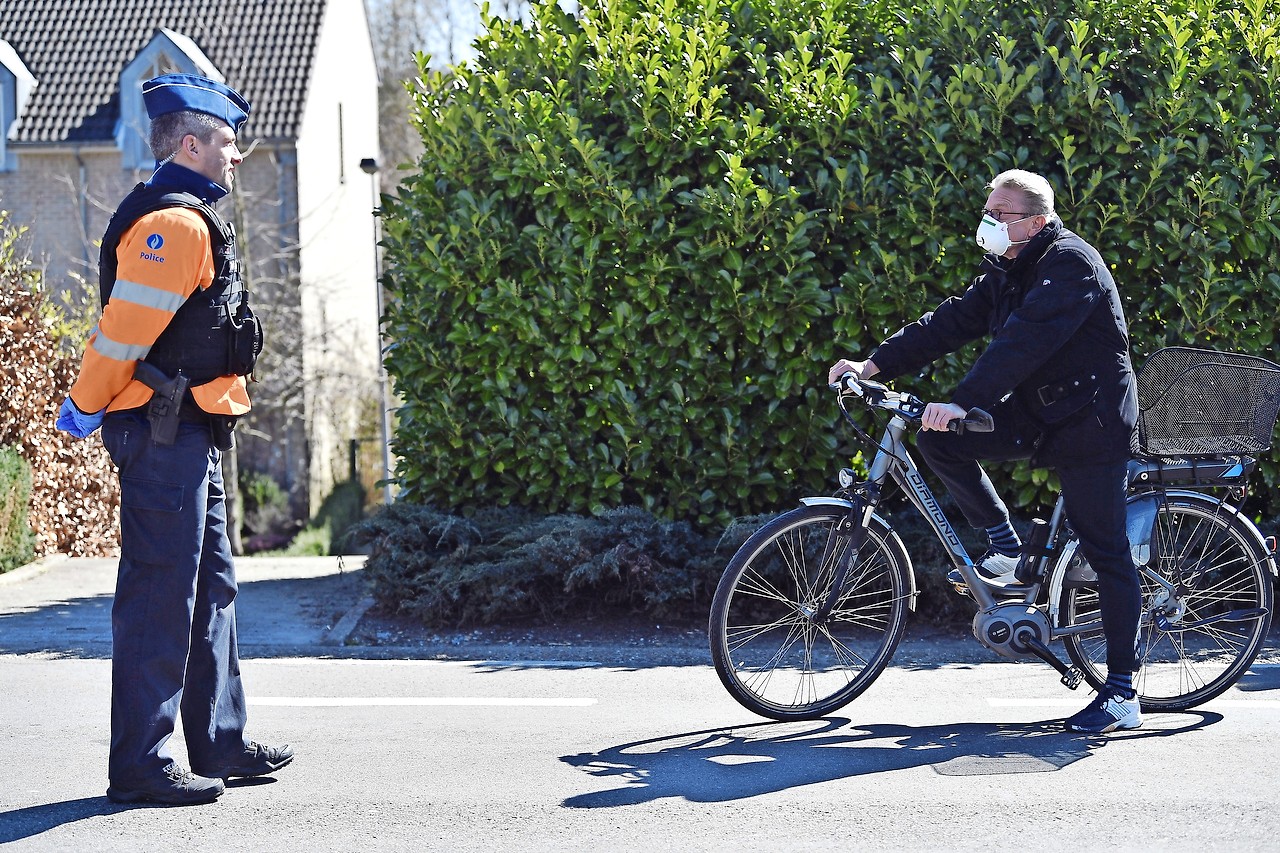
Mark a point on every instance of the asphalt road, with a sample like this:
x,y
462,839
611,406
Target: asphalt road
x,y
591,748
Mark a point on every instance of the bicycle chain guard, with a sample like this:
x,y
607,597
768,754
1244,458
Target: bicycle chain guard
x,y
1010,630
1019,631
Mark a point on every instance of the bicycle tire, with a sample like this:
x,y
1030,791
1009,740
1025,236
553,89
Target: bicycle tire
x,y
1220,572
770,655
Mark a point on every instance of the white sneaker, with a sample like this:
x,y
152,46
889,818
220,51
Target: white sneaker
x,y
1106,713
996,569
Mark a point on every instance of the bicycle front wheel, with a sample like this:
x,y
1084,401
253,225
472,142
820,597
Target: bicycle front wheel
x,y
1206,599
773,651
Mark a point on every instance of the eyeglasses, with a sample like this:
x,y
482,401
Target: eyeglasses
x,y
998,215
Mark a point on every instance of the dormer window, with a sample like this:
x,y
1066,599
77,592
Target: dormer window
x,y
168,52
16,83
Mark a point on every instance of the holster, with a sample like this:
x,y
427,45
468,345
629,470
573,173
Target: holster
x,y
164,412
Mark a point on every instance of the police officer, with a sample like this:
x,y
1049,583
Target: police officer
x,y
164,375
1057,378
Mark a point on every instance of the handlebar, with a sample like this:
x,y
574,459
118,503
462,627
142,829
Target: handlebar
x,y
906,404
975,420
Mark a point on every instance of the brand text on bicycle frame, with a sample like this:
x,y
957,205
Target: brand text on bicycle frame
x,y
928,504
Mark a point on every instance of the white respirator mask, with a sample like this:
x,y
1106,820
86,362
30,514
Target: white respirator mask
x,y
993,236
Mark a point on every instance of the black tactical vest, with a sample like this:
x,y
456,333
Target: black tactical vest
x,y
214,333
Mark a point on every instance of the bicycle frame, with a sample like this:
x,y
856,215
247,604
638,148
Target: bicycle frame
x,y
893,460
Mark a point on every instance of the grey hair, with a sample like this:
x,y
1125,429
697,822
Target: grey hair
x,y
1034,188
168,130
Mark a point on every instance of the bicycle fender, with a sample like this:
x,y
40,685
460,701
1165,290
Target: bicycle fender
x,y
1139,525
826,501
1059,570
883,526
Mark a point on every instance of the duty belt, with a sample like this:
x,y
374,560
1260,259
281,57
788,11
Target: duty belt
x,y
1052,393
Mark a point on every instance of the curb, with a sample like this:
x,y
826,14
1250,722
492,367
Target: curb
x,y
338,634
32,569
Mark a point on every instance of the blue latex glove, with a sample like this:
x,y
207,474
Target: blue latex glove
x,y
76,422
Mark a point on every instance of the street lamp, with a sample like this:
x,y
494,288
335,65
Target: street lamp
x,y
370,167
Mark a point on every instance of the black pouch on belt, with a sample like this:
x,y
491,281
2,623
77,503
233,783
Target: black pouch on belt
x,y
221,427
245,341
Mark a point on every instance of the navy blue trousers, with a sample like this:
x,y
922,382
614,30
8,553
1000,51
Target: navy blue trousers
x,y
1094,501
173,622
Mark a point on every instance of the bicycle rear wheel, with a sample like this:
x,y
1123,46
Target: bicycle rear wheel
x,y
771,651
1203,621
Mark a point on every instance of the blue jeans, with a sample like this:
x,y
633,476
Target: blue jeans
x,y
173,621
1093,499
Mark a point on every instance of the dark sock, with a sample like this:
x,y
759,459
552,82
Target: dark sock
x,y
1120,683
1004,539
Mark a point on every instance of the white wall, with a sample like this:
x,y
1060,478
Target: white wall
x,y
336,230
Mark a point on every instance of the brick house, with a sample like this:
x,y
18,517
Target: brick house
x,y
73,132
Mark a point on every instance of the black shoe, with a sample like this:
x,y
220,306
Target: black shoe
x,y
178,788
257,760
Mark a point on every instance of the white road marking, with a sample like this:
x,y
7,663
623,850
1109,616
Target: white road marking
x,y
418,701
1073,701
424,664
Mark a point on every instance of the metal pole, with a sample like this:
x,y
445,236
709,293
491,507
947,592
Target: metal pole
x,y
370,167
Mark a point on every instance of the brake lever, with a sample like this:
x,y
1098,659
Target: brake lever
x,y
850,383
976,420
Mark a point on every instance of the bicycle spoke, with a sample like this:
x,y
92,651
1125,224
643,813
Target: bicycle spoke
x,y
843,651
756,585
767,668
791,552
742,635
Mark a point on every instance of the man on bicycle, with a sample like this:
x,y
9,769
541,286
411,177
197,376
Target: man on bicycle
x,y
1057,378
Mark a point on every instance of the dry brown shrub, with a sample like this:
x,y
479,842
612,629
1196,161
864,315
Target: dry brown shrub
x,y
75,495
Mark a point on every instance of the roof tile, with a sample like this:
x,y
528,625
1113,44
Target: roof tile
x,y
76,50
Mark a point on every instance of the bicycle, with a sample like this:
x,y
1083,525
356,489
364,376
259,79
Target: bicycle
x,y
811,608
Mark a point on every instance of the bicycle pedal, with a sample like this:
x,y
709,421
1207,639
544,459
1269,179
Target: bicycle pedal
x,y
1072,678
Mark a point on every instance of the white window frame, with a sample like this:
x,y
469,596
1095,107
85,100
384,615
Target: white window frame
x,y
168,52
16,83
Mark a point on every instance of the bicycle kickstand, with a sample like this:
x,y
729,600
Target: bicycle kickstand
x,y
1071,676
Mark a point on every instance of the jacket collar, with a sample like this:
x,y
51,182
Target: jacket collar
x,y
1034,250
171,176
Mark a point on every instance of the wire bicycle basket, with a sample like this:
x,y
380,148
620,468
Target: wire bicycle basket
x,y
1195,402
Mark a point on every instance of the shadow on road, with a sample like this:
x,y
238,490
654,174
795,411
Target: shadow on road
x,y
80,627
718,765
18,824
74,628
1265,677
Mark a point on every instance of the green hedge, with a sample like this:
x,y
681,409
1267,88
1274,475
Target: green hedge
x,y
639,236
17,543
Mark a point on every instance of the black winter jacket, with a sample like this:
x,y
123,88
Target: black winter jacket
x,y
1059,349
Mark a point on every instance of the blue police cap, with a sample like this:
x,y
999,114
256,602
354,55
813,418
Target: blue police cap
x,y
170,93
